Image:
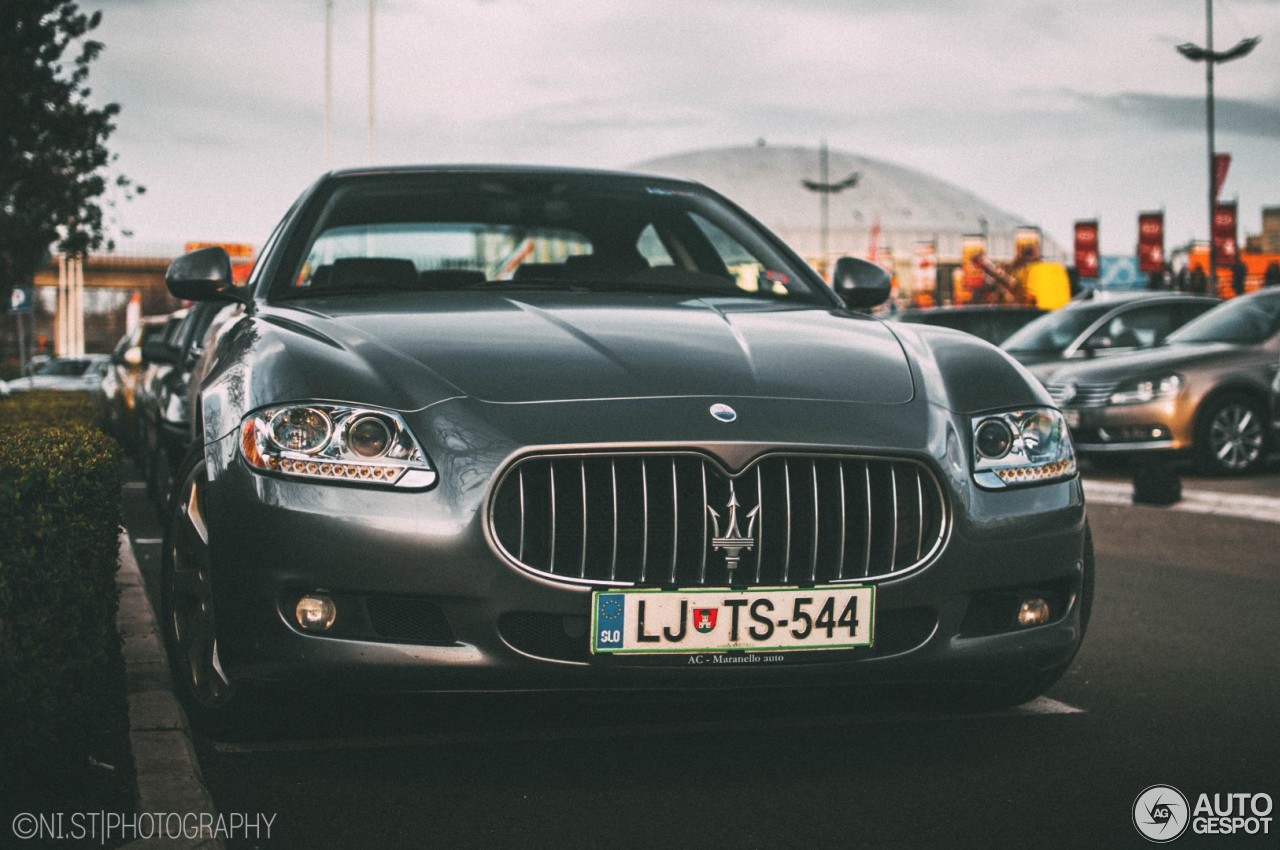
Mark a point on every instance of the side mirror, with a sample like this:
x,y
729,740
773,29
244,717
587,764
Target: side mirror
x,y
158,351
860,283
203,275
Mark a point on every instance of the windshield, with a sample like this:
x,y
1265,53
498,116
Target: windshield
x,y
445,232
1243,321
1055,331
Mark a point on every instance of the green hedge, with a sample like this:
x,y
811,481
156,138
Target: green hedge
x,y
62,686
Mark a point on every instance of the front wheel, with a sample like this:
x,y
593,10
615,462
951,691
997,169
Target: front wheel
x,y
1231,436
187,603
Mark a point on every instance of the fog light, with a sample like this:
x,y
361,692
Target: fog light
x,y
1033,612
317,613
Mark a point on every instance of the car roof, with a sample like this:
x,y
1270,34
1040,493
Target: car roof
x,y
497,169
1118,298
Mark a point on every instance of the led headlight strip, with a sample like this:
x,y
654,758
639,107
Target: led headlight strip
x,y
1021,448
334,442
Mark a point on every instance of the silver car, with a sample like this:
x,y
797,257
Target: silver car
x,y
1207,390
1105,325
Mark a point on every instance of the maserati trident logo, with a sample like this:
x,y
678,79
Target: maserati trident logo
x,y
724,412
733,542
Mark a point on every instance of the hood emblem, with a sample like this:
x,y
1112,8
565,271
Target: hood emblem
x,y
724,412
733,542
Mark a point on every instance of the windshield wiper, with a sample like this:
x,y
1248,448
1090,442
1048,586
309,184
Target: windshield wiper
x,y
352,289
531,283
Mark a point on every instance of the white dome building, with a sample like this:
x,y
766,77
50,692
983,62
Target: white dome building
x,y
911,207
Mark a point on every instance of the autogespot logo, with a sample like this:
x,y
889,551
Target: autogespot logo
x,y
1160,813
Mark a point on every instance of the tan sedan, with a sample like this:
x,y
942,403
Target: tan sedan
x,y
1207,390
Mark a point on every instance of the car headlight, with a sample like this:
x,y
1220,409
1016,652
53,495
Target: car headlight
x,y
1021,447
1148,389
335,442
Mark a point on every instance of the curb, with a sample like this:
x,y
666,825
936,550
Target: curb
x,y
164,757
1234,505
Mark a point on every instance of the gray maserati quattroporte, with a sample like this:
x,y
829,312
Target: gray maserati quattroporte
x,y
483,428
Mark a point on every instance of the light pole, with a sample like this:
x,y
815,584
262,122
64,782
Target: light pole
x,y
373,96
1207,55
826,190
328,84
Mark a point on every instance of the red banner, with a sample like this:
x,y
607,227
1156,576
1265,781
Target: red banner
x,y
1151,242
1225,248
1086,253
1221,162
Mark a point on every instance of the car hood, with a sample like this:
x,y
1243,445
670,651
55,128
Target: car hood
x,y
1144,363
535,347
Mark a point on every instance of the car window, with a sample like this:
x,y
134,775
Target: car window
x,y
64,367
1243,321
1055,331
480,231
1139,327
1188,310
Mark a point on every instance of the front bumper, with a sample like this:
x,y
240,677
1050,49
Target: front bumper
x,y
429,604
1161,425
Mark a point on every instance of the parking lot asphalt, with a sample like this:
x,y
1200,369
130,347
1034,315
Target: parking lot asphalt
x,y
169,776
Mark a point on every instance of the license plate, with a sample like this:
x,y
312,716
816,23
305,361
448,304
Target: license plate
x,y
670,621
1072,417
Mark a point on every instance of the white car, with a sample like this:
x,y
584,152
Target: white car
x,y
64,373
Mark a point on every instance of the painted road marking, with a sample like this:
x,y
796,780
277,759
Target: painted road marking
x,y
1237,505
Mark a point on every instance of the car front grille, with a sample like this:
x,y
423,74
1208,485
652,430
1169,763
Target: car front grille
x,y
677,520
1080,395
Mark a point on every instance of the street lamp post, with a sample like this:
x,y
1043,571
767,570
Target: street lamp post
x,y
826,189
1207,55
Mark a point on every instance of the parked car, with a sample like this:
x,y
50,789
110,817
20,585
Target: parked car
x,y
163,411
1102,326
116,397
1206,390
80,374
499,428
992,322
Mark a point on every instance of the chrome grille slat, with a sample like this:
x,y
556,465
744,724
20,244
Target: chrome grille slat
x,y
522,516
760,517
844,522
613,558
675,519
866,552
786,558
582,565
817,524
644,490
552,567
852,530
702,566
1084,395
919,513
893,500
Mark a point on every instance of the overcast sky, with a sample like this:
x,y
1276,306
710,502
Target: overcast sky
x,y
1054,111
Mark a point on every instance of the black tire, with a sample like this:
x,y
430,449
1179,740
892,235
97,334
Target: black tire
x,y
213,702
160,481
1231,436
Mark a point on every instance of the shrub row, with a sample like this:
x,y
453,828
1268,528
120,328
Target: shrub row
x,y
62,686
